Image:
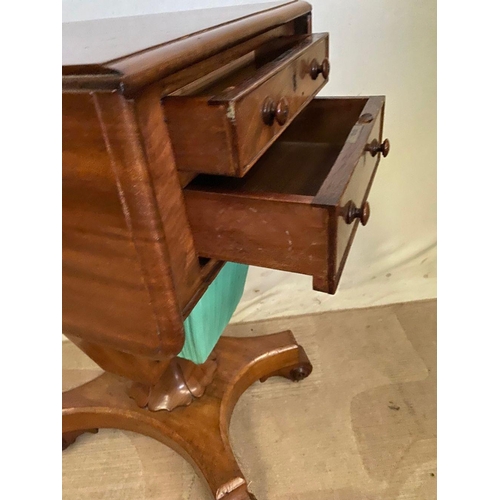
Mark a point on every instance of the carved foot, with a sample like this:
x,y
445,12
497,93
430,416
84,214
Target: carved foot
x,y
178,386
69,438
297,372
198,432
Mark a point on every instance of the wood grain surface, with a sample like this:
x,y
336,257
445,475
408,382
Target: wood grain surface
x,y
131,273
105,297
200,431
272,217
149,102
219,128
138,65
115,38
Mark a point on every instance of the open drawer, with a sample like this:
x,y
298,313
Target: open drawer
x,y
223,125
299,207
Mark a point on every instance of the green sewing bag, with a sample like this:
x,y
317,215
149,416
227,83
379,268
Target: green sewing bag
x,y
210,316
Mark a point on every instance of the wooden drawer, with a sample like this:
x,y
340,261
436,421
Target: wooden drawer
x,y
299,207
223,127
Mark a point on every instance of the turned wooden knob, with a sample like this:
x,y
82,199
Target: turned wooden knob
x,y
375,147
316,69
275,111
351,212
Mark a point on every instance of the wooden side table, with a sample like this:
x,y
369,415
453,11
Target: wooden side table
x,y
191,139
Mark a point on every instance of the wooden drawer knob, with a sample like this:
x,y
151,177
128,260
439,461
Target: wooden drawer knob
x,y
351,212
375,147
272,111
316,69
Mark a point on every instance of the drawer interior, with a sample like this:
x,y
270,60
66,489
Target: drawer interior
x,y
301,159
299,207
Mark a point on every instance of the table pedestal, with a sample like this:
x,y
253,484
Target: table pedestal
x,y
199,432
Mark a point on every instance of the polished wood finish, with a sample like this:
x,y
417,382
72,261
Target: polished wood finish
x,y
123,203
115,38
352,212
356,182
131,166
320,69
105,296
145,110
288,212
224,115
199,432
128,54
179,385
275,111
131,272
136,367
209,70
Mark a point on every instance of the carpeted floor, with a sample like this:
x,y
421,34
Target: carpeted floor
x,y
361,427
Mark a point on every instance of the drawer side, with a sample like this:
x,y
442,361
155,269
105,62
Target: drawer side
x,y
290,236
200,135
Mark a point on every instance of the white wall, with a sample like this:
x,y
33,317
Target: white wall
x,y
377,47
84,10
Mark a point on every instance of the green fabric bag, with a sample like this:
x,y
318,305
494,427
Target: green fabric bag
x,y
204,326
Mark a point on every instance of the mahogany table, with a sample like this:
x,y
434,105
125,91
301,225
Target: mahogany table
x,y
191,139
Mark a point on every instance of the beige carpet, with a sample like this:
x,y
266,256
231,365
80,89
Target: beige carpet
x,y
361,427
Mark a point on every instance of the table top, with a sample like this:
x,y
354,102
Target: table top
x,y
142,48
102,40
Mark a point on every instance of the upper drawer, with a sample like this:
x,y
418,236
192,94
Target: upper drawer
x,y
225,126
298,208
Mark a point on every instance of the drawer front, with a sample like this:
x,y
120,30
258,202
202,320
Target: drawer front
x,y
223,129
292,86
289,212
356,193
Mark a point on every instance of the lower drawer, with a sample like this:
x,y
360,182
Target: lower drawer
x,y
299,207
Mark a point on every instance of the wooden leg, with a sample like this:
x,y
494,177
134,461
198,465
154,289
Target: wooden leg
x,y
198,432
